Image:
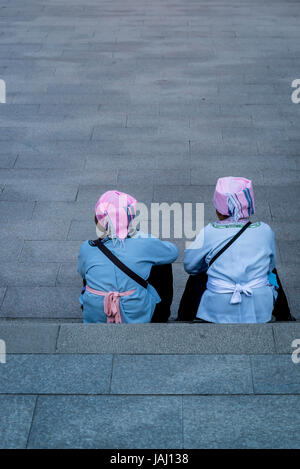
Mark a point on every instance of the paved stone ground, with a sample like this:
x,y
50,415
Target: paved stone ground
x,y
156,98
100,386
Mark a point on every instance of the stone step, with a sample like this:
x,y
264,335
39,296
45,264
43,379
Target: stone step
x,y
171,338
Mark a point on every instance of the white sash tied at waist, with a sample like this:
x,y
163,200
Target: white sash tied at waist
x,y
222,286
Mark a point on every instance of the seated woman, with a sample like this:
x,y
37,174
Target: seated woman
x,y
110,294
238,288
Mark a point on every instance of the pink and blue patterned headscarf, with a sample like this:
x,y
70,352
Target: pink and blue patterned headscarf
x,y
234,197
115,211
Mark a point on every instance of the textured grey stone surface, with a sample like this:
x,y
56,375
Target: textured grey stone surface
x,y
166,338
275,374
10,250
50,251
16,417
56,374
285,335
181,374
293,295
41,302
148,338
7,160
29,338
107,422
241,422
2,293
27,274
37,230
53,211
155,99
61,161
68,276
32,192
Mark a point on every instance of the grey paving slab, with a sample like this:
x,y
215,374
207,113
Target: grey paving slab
x,y
107,422
286,274
86,176
285,231
21,274
103,148
65,210
209,175
56,374
166,338
41,302
32,192
80,230
2,293
240,422
127,160
152,102
10,250
37,230
68,275
293,295
285,335
7,160
181,374
50,251
14,111
12,211
67,109
33,160
16,417
275,374
93,192
289,251
48,98
29,338
30,178
171,177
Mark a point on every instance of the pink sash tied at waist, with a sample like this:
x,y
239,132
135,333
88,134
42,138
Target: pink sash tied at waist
x,y
111,303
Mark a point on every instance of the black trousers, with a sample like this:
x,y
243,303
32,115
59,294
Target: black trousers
x,y
161,278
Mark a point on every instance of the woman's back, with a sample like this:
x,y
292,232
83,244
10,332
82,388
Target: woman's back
x,y
252,256
238,289
249,257
139,254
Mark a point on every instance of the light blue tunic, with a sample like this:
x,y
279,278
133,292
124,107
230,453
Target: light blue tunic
x,y
139,253
251,256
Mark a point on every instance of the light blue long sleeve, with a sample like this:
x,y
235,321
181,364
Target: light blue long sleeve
x,y
251,256
139,254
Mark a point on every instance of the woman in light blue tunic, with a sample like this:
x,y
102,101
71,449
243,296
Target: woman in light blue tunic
x,y
110,294
240,287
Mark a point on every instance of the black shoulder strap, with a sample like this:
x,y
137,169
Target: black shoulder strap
x,y
107,252
235,237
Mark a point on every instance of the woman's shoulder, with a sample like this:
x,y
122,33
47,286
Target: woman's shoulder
x,y
262,226
142,235
87,245
146,238
266,230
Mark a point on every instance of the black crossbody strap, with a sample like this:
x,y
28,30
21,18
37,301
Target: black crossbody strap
x,y
235,237
107,252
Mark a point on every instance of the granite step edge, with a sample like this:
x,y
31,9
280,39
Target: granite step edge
x,y
171,338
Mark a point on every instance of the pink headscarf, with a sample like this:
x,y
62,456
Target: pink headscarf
x,y
115,211
234,197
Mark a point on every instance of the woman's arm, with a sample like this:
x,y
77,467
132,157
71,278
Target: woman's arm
x,y
161,252
194,256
